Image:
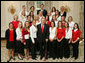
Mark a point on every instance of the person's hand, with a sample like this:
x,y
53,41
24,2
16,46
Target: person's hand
x,y
46,40
24,43
33,42
69,42
73,41
59,40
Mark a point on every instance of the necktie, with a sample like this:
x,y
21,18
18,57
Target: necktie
x,y
42,28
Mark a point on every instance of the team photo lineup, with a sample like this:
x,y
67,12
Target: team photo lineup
x,y
44,33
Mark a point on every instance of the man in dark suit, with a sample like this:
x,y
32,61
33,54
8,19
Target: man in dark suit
x,y
42,9
43,35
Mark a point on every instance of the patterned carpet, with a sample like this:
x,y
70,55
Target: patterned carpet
x,y
4,55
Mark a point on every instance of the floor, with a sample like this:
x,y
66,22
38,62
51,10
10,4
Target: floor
x,y
4,55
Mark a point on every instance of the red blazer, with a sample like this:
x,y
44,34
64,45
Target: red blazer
x,y
48,23
60,33
76,34
24,32
15,24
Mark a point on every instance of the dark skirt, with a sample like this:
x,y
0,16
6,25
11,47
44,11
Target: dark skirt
x,y
52,49
10,45
75,49
19,47
28,43
66,48
60,49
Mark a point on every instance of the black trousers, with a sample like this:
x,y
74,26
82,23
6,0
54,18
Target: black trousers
x,y
66,48
60,49
75,49
33,49
19,47
52,47
43,48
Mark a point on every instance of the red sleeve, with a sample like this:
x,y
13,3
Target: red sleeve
x,y
64,32
79,33
23,35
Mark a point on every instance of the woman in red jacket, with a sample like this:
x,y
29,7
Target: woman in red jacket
x,y
47,21
11,38
75,40
15,22
26,38
60,40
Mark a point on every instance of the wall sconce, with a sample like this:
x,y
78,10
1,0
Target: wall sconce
x,y
11,9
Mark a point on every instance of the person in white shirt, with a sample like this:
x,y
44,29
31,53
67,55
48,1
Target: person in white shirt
x,y
23,14
23,17
53,11
50,15
58,17
40,15
68,37
32,8
31,15
55,20
52,40
70,21
33,35
36,17
19,41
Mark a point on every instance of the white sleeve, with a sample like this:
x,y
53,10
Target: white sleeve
x,y
70,33
17,33
31,34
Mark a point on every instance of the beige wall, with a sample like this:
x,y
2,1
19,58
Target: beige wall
x,y
6,17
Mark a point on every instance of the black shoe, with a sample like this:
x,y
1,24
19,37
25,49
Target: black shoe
x,y
76,58
41,58
34,58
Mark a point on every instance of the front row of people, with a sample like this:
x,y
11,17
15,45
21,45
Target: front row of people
x,y
44,39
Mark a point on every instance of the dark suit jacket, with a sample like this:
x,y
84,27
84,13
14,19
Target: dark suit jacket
x,y
64,14
42,35
44,12
7,34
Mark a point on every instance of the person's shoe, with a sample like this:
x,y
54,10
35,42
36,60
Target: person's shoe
x,y
20,58
41,58
76,58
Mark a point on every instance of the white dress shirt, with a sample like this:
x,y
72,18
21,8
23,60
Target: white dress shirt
x,y
18,33
23,19
58,18
68,33
56,23
37,23
50,18
71,24
33,33
53,13
52,32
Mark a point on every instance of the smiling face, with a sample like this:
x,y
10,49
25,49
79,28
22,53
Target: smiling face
x,y
27,24
42,6
70,19
49,13
75,26
20,25
11,26
62,8
52,24
15,17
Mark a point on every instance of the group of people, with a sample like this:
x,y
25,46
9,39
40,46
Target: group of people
x,y
45,31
